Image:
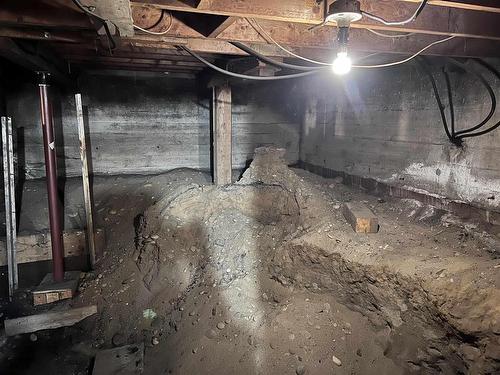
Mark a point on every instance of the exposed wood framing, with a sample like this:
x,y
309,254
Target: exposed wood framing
x,y
434,20
228,21
116,11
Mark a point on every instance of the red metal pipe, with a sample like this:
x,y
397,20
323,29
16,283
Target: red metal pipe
x,y
51,173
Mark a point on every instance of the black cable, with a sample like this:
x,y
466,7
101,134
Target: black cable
x,y
271,61
162,16
450,102
491,128
490,92
103,22
425,67
244,76
413,18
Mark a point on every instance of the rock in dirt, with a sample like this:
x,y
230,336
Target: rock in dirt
x,y
300,370
118,339
337,361
221,325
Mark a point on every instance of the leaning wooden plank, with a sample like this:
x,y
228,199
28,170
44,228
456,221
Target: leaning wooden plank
x,y
50,320
125,360
361,218
86,181
37,247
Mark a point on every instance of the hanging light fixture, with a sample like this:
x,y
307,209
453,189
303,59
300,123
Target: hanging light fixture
x,y
343,12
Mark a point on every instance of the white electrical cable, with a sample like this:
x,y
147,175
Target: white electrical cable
x,y
407,59
154,32
389,35
267,36
397,23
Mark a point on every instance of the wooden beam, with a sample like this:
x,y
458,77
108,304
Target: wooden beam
x,y
483,6
228,21
433,20
37,13
320,47
49,320
221,126
39,61
37,247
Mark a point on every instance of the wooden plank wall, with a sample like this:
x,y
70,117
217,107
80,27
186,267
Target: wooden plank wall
x,y
150,125
385,124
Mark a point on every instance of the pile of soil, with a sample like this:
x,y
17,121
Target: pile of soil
x,y
265,276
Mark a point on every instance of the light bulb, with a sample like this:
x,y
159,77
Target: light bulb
x,y
342,64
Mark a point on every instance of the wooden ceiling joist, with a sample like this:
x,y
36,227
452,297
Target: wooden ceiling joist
x,y
436,20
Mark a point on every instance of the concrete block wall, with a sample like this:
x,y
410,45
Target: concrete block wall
x,y
385,125
141,125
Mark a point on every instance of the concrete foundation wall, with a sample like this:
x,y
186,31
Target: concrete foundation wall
x,y
141,125
385,125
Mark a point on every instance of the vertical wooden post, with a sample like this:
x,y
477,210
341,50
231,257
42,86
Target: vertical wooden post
x,y
222,123
10,202
85,178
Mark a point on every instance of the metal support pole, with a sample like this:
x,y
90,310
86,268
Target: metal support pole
x,y
10,202
51,173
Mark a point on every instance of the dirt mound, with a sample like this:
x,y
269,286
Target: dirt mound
x,y
248,278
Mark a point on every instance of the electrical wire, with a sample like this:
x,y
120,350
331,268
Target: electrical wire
x,y
385,65
266,36
390,35
103,21
244,76
271,61
425,67
492,94
148,30
394,23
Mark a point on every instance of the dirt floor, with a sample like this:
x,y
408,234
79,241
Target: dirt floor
x,y
266,277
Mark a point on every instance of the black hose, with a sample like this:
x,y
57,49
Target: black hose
x,y
271,61
103,21
490,92
244,76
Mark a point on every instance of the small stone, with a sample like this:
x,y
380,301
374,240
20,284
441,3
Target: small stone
x,y
118,339
300,370
112,212
33,337
221,325
155,237
211,334
337,361
195,350
155,341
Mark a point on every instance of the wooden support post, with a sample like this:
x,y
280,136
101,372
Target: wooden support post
x,y
10,202
221,126
85,178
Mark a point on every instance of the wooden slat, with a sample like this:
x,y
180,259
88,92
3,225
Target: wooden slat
x,y
483,6
37,247
50,320
222,26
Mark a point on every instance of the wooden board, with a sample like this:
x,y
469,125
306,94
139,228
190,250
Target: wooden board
x,y
85,179
48,291
222,124
37,247
125,360
361,218
49,320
